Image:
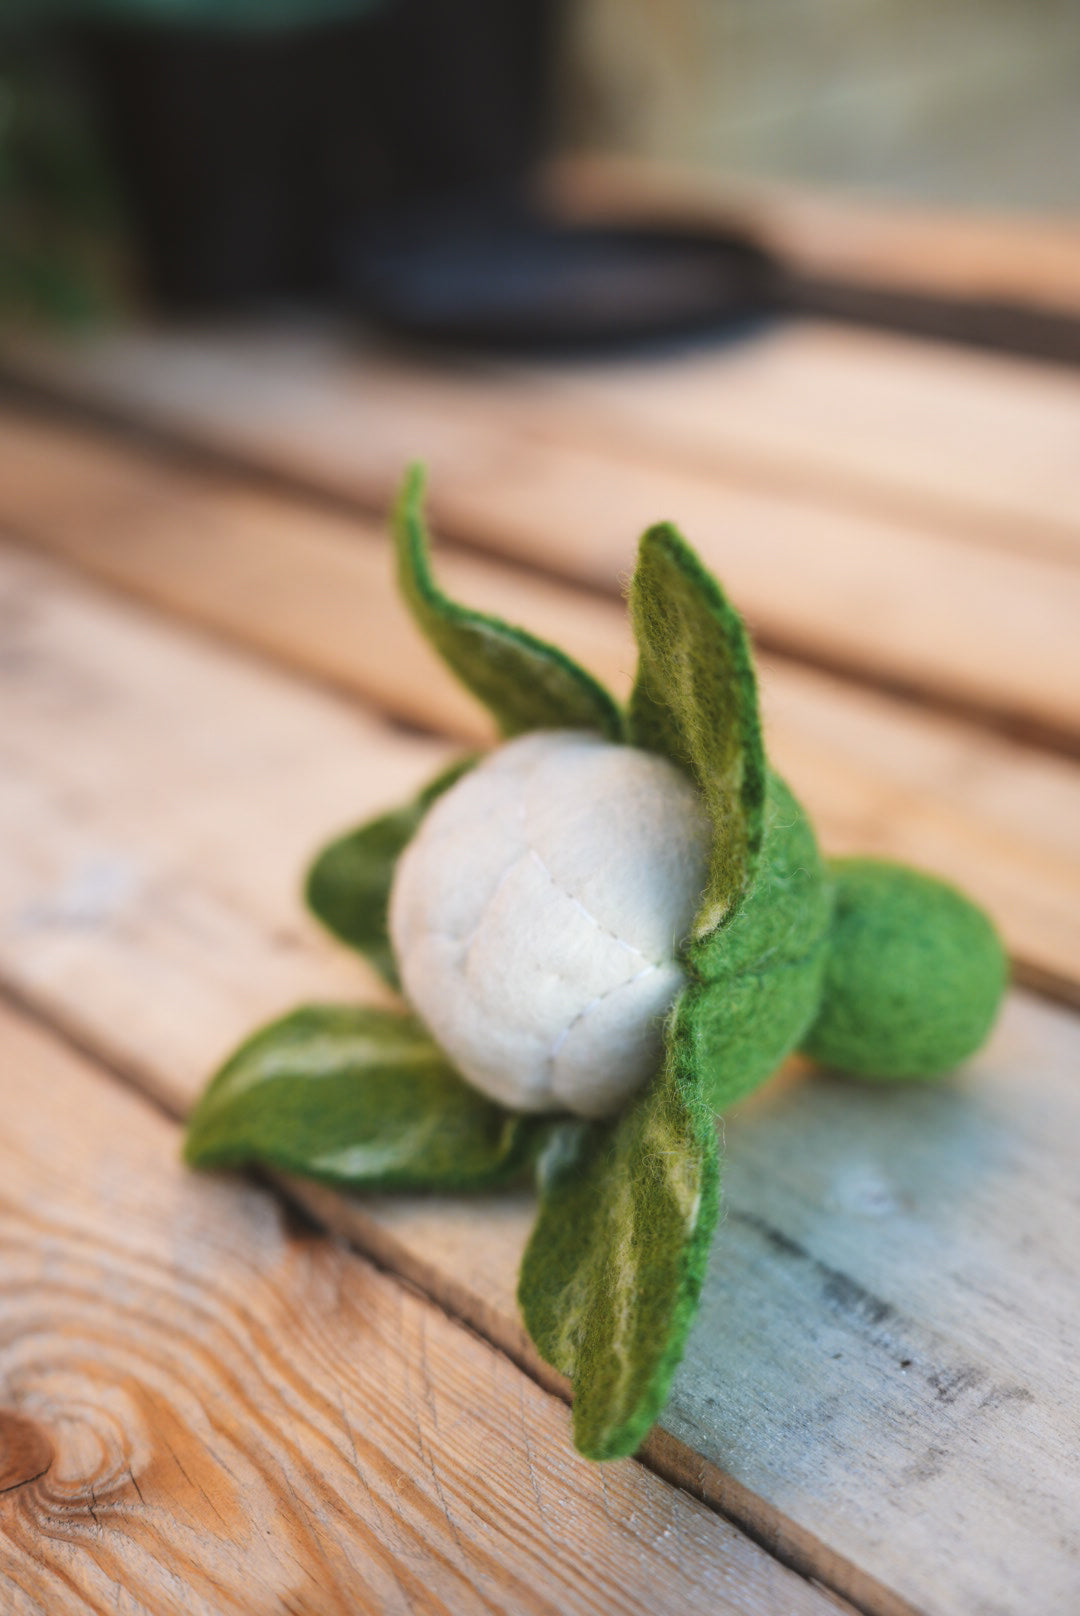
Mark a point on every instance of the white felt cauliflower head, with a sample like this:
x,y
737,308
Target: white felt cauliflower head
x,y
536,917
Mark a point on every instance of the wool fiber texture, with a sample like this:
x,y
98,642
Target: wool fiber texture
x,y
761,972
525,683
695,701
537,915
611,928
611,1277
914,977
358,1098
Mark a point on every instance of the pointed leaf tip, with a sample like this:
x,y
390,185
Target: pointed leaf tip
x,y
695,700
524,682
359,1098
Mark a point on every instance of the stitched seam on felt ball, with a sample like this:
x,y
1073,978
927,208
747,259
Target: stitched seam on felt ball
x,y
587,1010
471,936
605,931
468,941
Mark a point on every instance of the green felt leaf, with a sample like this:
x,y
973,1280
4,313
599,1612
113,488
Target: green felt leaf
x,y
695,700
611,1277
359,1098
348,885
761,973
524,682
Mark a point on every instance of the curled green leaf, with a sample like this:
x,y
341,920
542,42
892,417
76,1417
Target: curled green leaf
x,y
524,682
695,700
358,1098
611,1277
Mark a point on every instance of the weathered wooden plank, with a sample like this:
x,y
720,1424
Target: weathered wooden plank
x,y
966,445
878,595
311,588
881,1381
316,590
235,1414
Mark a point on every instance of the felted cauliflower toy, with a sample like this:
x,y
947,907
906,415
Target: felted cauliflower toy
x,y
608,930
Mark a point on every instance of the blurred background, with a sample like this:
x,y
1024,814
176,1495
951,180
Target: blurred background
x,y
225,152
967,103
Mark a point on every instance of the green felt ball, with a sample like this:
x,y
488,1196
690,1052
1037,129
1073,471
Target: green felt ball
x,y
914,976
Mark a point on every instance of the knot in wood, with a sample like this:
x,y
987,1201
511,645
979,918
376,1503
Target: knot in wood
x,y
26,1451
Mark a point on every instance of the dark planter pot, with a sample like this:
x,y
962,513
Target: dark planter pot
x,y
250,157
380,164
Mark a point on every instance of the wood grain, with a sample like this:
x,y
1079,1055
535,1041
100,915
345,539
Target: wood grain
x,y
315,590
248,1418
883,595
963,445
25,1451
881,1381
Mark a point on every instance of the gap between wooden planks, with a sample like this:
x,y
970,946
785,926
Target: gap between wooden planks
x,y
222,1412
880,1385
317,591
961,446
968,444
521,470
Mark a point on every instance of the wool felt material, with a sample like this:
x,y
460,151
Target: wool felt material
x,y
348,884
524,682
528,902
914,977
761,972
358,1098
537,913
611,1277
695,701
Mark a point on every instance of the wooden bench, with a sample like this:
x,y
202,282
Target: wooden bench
x,y
227,1396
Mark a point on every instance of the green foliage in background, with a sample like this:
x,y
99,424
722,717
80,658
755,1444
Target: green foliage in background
x,y
62,236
